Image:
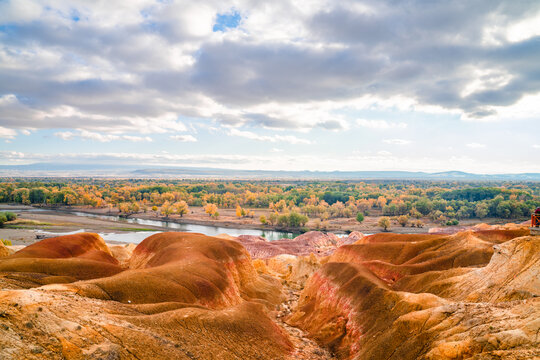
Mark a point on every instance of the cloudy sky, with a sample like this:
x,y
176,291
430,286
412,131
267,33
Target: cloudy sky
x,y
282,84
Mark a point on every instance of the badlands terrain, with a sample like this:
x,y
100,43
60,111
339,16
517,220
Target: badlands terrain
x,y
469,295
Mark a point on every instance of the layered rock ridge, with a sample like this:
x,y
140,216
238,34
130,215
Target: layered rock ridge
x,y
474,294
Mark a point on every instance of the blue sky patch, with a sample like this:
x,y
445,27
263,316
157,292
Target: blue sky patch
x,y
227,21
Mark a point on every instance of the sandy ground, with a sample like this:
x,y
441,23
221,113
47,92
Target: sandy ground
x,y
228,218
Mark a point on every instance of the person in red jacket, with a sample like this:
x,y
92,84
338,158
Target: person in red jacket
x,y
535,218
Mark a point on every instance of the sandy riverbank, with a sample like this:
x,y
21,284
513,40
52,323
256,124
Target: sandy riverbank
x,y
28,224
228,218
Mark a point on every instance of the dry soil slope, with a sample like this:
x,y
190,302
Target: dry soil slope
x,y
61,259
183,296
427,297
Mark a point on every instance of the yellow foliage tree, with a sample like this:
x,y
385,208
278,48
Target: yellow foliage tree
x,y
384,222
181,207
239,211
166,209
210,209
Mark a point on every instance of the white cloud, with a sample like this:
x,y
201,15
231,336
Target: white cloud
x,y
136,138
16,114
536,146
309,67
397,141
524,29
380,124
184,138
19,11
294,64
65,135
6,133
89,135
291,139
476,145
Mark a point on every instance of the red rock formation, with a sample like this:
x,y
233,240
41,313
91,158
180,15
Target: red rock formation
x,y
311,242
427,297
350,239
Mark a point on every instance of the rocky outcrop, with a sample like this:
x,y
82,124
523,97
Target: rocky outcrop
x,y
467,295
351,238
311,242
180,296
292,270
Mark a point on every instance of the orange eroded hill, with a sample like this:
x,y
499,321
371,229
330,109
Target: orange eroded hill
x,y
62,259
388,296
188,268
182,296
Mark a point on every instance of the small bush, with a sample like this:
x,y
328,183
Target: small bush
x,y
403,220
359,217
10,216
384,222
292,219
6,242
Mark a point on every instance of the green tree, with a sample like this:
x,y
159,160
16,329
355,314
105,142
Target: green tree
x,y
273,218
424,206
37,196
10,216
359,217
283,220
296,220
481,210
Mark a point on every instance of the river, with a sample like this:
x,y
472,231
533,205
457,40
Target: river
x,y
138,236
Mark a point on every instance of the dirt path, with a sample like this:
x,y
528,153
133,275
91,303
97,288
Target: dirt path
x,y
306,349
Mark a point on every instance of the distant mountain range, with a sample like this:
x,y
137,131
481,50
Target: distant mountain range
x,y
131,171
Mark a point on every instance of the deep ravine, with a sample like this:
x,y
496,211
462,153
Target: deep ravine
x,y
305,348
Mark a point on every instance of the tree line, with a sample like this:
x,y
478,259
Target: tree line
x,y
437,200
